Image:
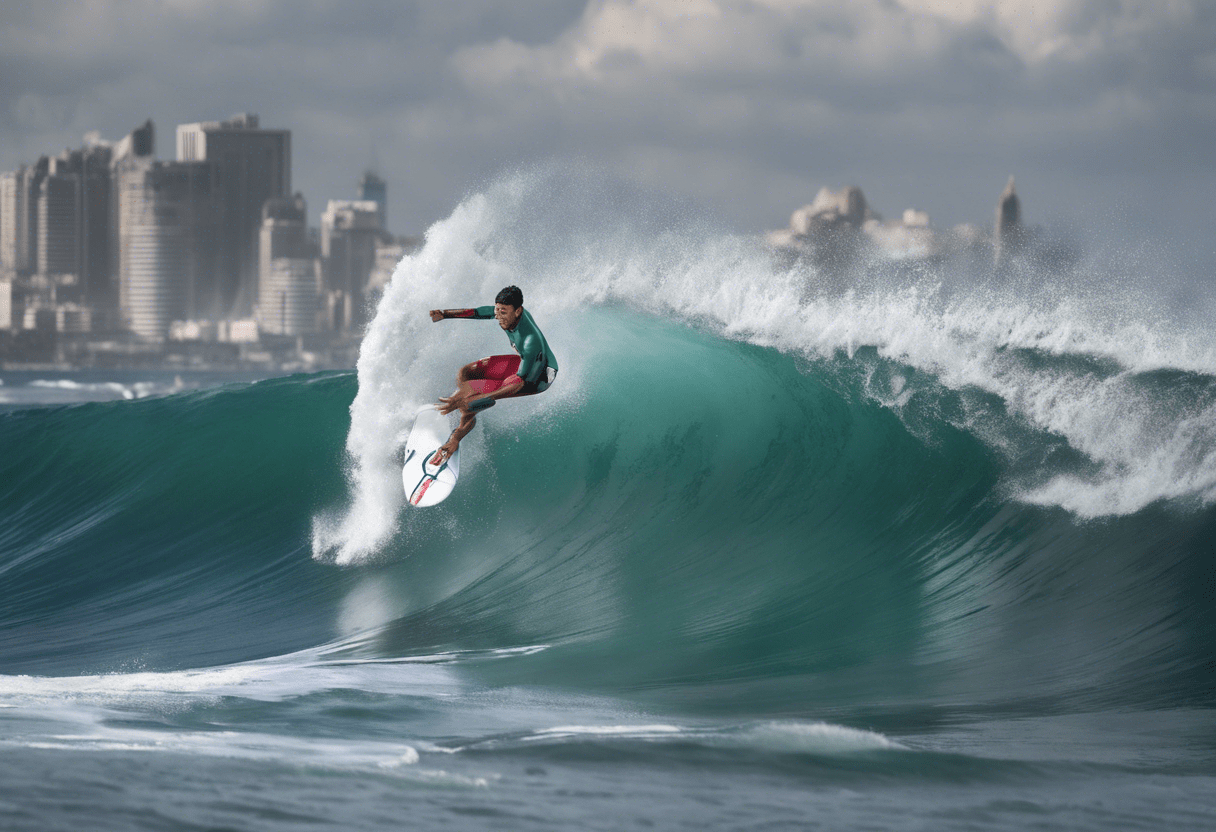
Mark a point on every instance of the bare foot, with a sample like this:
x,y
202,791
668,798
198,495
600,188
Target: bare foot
x,y
444,453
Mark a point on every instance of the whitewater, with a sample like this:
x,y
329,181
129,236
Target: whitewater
x,y
910,545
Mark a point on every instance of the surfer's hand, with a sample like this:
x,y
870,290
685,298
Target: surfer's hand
x,y
436,315
450,404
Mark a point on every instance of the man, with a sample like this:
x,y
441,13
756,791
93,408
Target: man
x,y
480,384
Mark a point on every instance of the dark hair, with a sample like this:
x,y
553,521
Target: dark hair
x,y
511,296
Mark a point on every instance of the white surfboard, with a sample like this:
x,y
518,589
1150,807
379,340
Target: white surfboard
x,y
427,484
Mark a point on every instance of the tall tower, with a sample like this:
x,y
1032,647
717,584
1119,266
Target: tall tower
x,y
289,273
373,189
95,210
58,222
251,165
349,230
19,193
167,216
13,219
1008,230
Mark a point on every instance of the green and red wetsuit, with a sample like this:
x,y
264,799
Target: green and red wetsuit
x,y
534,365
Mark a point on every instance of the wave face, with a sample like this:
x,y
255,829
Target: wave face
x,y
166,532
748,485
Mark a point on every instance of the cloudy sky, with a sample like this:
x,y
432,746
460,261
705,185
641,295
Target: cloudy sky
x,y
1105,110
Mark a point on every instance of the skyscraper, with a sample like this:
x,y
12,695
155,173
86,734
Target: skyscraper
x,y
250,166
95,208
12,220
19,191
167,221
1008,230
373,189
31,187
289,272
58,221
349,230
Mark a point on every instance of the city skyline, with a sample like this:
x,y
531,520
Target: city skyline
x,y
210,246
744,108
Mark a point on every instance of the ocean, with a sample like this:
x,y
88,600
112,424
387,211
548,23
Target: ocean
x,y
921,549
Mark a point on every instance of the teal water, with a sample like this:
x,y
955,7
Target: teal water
x,y
758,560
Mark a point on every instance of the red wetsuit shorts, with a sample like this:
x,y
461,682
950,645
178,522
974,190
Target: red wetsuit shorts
x,y
488,374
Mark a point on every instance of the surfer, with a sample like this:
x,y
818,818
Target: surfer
x,y
480,384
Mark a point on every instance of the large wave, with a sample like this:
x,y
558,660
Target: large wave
x,y
747,479
1022,364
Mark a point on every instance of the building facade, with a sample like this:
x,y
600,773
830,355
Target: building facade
x,y
250,166
12,215
374,189
349,232
289,274
58,221
1007,232
167,224
19,192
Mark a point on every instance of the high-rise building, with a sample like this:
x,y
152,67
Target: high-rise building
x,y
167,224
31,188
290,295
1008,231
58,223
373,189
349,231
95,207
139,142
19,191
6,302
289,279
250,165
12,216
137,147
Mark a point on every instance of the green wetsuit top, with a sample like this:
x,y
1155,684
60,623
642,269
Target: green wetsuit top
x,y
526,338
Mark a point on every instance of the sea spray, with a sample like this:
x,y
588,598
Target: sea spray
x,y
1014,357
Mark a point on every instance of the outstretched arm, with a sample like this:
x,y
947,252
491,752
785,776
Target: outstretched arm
x,y
480,313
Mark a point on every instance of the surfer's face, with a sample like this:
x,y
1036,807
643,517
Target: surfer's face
x,y
507,315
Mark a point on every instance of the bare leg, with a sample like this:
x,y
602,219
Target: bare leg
x,y
464,376
467,423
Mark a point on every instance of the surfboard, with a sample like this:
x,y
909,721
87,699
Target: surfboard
x,y
427,484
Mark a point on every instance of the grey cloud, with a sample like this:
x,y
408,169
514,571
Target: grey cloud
x,y
749,111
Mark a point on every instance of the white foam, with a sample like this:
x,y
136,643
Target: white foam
x,y
784,737
633,731
570,251
382,756
810,738
269,680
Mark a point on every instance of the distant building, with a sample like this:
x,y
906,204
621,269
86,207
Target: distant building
x,y
167,224
6,303
250,166
373,189
284,231
290,294
1008,233
289,275
349,232
58,317
12,220
388,255
138,143
19,192
94,233
58,222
